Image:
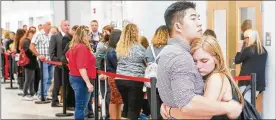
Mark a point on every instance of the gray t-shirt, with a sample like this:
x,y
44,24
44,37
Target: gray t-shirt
x,y
149,55
134,64
178,78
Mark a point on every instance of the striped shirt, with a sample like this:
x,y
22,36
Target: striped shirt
x,y
41,41
178,79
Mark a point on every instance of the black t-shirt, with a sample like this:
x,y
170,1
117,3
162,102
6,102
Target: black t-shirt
x,y
7,46
33,62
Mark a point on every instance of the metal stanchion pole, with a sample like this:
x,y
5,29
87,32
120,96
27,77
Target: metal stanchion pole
x,y
43,100
253,89
64,114
96,91
153,105
11,80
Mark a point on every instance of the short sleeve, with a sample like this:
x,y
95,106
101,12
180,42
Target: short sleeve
x,y
149,55
35,39
82,54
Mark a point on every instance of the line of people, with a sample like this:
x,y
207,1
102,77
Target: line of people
x,y
193,80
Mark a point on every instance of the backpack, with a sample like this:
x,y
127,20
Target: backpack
x,y
23,58
151,70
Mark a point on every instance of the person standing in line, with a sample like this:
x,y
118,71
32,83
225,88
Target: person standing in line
x,y
82,65
55,52
65,46
29,68
96,36
131,62
39,47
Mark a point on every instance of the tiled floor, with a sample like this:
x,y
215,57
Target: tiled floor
x,y
12,107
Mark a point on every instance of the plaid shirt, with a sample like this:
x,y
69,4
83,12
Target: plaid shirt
x,y
41,41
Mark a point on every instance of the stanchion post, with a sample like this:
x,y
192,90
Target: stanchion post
x,y
11,67
153,101
64,114
253,89
43,100
96,91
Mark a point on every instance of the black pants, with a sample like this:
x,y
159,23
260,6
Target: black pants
x,y
107,99
146,107
133,96
57,84
37,79
158,102
70,95
29,82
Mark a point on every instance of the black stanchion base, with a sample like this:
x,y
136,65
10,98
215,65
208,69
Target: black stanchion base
x,y
42,102
64,114
20,94
11,88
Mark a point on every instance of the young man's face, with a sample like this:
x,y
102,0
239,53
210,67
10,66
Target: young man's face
x,y
94,26
191,27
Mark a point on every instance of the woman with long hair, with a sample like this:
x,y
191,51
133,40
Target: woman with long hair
x,y
18,70
253,57
131,62
159,40
115,96
81,62
29,68
219,84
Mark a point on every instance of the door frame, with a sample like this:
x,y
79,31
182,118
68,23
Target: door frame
x,y
219,5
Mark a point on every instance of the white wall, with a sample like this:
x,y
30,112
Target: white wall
x,y
14,11
59,12
149,15
269,26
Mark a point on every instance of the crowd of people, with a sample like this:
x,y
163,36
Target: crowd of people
x,y
193,80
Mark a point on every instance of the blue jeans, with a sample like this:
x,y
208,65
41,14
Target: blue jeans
x,y
82,96
47,78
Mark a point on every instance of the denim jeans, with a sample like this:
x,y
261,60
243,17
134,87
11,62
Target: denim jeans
x,y
247,95
47,78
82,96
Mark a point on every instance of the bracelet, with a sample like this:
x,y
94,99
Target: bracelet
x,y
170,112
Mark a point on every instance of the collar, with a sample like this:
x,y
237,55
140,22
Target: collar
x,y
62,33
43,32
95,33
179,42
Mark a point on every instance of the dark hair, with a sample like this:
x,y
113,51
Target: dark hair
x,y
32,27
176,12
114,38
19,34
94,21
22,40
210,32
75,27
24,25
109,28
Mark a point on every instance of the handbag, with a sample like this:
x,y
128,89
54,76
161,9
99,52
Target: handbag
x,y
23,58
151,69
249,111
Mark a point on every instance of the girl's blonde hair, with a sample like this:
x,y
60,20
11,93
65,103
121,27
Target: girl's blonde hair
x,y
161,36
209,44
254,40
128,38
81,36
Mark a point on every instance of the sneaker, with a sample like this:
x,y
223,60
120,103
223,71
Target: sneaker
x,y
35,97
27,98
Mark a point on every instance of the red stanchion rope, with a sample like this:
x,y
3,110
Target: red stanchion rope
x,y
239,78
137,79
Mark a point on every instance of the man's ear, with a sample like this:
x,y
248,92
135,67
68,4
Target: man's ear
x,y
177,27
